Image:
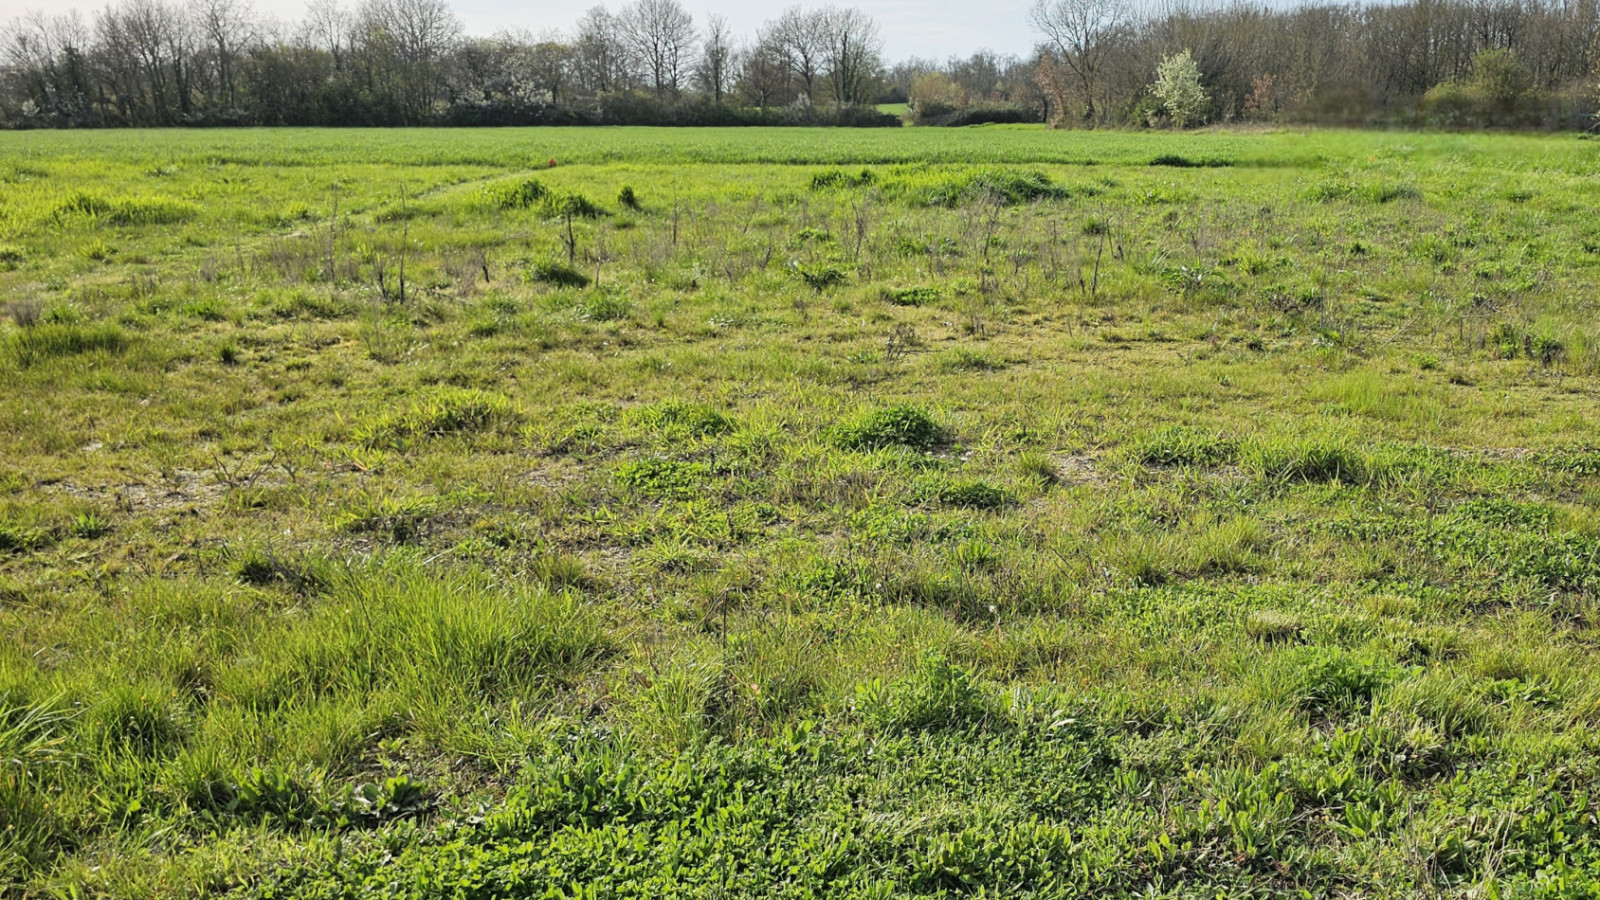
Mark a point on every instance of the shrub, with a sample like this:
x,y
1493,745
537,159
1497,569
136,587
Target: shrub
x,y
1178,88
896,426
628,198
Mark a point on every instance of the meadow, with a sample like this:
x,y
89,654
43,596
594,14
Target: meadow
x,y
799,513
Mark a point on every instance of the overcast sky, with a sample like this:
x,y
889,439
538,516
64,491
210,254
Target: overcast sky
x,y
927,28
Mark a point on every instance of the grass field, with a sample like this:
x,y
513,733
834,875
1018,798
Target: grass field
x,y
734,513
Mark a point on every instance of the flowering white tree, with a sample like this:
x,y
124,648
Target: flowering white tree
x,y
1178,88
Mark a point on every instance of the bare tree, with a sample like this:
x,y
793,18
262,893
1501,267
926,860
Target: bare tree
x,y
227,28
329,26
714,72
853,55
46,60
600,54
1078,32
764,76
802,37
405,42
661,35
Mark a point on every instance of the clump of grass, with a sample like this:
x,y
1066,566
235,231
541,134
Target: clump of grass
x,y
21,539
26,312
263,568
1389,193
1181,446
1177,161
657,477
401,519
1331,681
839,178
49,340
678,415
966,359
970,493
627,198
11,256
895,426
606,307
1039,468
819,277
1272,626
129,210
522,194
1309,461
575,206
451,412
146,720
911,296
557,274
89,525
1006,185
936,695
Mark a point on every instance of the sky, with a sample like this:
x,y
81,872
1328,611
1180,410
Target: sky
x,y
931,29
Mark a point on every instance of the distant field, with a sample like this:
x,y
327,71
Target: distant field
x,y
802,513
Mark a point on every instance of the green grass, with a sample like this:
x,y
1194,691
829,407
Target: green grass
x,y
892,513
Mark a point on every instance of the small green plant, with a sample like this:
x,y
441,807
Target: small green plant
x,y
658,477
1181,446
627,198
529,192
819,278
605,307
970,493
1038,467
557,274
911,296
838,178
49,340
681,416
936,695
896,426
89,525
446,413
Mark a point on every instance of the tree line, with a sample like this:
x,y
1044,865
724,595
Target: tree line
x,y
1529,63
